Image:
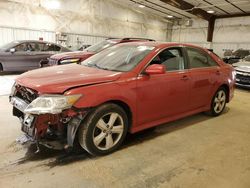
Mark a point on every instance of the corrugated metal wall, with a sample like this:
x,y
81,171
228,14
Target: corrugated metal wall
x,y
8,34
229,34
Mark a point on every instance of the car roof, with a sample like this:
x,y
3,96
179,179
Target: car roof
x,y
160,44
129,39
42,41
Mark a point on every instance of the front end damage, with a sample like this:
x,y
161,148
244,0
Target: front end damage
x,y
56,131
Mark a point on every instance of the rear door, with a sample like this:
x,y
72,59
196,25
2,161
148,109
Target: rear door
x,y
164,95
16,61
33,55
37,54
204,74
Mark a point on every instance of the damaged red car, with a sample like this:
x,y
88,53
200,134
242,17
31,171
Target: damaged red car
x,y
126,88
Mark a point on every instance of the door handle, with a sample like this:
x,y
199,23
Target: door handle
x,y
184,77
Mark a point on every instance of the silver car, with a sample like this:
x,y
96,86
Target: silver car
x,y
27,54
242,69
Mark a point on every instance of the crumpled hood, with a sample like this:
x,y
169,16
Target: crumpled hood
x,y
243,66
68,55
60,78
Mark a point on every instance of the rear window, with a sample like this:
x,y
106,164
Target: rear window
x,y
199,59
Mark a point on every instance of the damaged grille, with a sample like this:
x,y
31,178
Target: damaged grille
x,y
26,94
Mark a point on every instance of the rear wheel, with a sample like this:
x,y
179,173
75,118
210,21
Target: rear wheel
x,y
1,67
218,103
104,129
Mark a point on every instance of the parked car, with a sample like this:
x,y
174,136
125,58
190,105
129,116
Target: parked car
x,y
126,88
243,72
77,57
27,54
236,56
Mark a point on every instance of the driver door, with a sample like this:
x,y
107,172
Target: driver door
x,y
164,95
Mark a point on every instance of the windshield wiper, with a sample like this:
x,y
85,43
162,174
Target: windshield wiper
x,y
103,68
99,67
95,65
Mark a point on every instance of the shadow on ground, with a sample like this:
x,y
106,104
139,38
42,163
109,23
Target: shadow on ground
x,y
243,89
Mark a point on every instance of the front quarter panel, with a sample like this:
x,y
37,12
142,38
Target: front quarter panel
x,y
123,90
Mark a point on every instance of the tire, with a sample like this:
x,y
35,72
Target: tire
x,y
104,129
218,102
1,67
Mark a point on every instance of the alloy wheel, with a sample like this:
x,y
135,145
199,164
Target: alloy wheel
x,y
219,101
108,131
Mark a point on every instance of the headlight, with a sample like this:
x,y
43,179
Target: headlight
x,y
67,61
52,104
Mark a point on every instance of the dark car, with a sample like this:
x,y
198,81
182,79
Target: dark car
x,y
77,57
243,72
27,54
124,89
236,56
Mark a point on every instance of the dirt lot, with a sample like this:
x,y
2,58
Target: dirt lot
x,y
198,151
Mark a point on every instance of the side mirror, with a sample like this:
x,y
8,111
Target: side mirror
x,y
12,50
155,69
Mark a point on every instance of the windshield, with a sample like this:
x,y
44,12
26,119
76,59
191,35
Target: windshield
x,y
9,45
101,46
118,58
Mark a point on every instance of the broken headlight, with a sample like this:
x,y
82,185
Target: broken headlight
x,y
52,104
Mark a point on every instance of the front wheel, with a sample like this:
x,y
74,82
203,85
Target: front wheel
x,y
218,102
104,130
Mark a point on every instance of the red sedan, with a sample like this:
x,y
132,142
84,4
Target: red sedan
x,y
126,88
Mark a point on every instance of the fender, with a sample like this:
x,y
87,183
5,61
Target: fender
x,y
95,95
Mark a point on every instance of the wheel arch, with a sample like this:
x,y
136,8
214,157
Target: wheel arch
x,y
226,87
126,108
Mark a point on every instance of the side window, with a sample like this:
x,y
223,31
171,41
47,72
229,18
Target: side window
x,y
41,46
198,59
51,47
212,62
57,48
33,47
172,58
21,47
